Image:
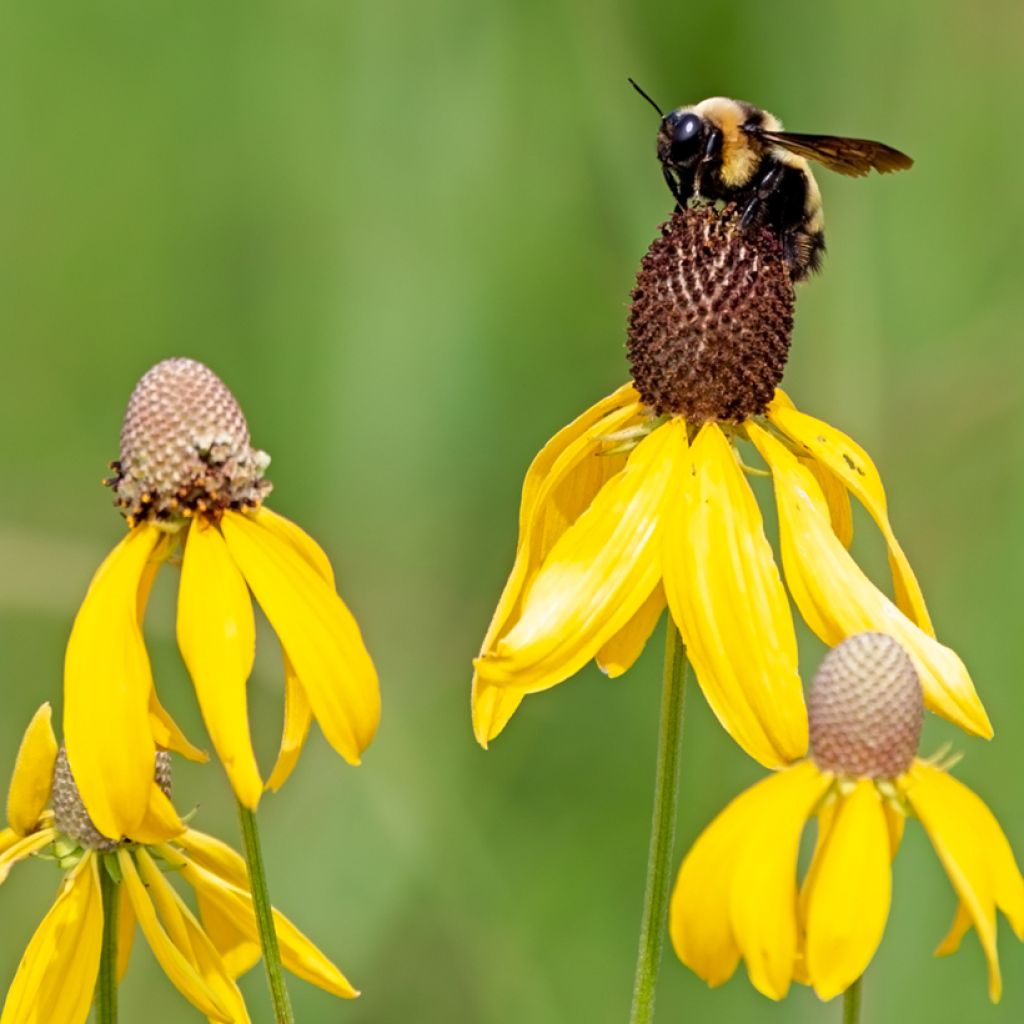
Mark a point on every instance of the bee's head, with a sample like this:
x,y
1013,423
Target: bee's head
x,y
682,138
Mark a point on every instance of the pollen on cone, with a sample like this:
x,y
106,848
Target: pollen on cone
x,y
185,447
711,317
866,708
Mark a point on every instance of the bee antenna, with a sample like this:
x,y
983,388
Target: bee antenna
x,y
661,113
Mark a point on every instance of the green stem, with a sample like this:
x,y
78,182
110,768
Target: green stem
x,y
265,917
663,828
106,980
851,1003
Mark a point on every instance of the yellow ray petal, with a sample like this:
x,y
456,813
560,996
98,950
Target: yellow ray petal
x,y
699,923
298,954
849,903
125,933
188,935
316,630
8,838
56,977
560,484
763,895
185,978
298,715
161,822
33,773
895,821
848,461
217,637
962,924
168,736
216,857
727,598
107,685
618,655
837,497
21,848
596,577
975,854
299,540
837,600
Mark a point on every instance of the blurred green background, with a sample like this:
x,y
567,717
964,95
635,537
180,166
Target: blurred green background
x,y
405,235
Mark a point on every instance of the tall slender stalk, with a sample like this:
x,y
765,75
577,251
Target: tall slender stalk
x,y
106,980
663,828
851,1003
265,917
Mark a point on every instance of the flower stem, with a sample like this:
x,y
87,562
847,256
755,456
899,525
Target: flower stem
x,y
265,917
106,980
663,827
851,1003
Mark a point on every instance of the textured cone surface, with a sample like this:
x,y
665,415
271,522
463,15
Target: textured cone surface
x,y
185,447
711,318
69,813
866,708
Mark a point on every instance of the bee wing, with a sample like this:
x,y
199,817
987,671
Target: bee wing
x,y
847,156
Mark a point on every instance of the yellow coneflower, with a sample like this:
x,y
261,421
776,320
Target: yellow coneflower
x,y
202,955
644,499
737,894
192,487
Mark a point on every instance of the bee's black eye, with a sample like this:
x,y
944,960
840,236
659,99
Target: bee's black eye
x,y
687,130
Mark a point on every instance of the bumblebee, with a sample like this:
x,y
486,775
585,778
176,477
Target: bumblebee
x,y
723,149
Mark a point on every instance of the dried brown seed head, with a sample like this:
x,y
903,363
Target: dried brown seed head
x,y
711,317
866,708
185,448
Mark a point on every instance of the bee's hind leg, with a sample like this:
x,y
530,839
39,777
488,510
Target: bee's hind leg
x,y
768,183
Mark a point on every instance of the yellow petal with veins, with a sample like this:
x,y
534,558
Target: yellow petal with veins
x,y
975,854
560,484
837,600
298,716
763,893
617,656
850,463
316,630
217,638
596,577
107,686
848,904
727,598
33,773
57,975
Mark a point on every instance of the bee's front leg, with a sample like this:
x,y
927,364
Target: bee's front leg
x,y
766,185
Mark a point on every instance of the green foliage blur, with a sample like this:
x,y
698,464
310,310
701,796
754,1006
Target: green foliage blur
x,y
405,235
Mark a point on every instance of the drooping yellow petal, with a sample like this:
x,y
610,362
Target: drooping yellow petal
x,y
618,655
190,939
596,577
308,548
962,924
298,716
837,497
125,932
217,637
176,964
895,822
33,773
846,459
161,822
975,854
234,905
8,838
837,600
316,630
22,847
763,894
167,734
57,975
727,598
560,484
107,686
216,857
849,902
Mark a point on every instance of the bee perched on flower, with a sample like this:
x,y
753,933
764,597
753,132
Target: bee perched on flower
x,y
737,894
644,500
192,487
202,955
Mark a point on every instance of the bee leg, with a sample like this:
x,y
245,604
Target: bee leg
x,y
674,187
769,182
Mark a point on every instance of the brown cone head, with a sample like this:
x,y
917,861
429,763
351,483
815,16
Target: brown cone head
x,y
69,813
711,318
866,708
185,448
